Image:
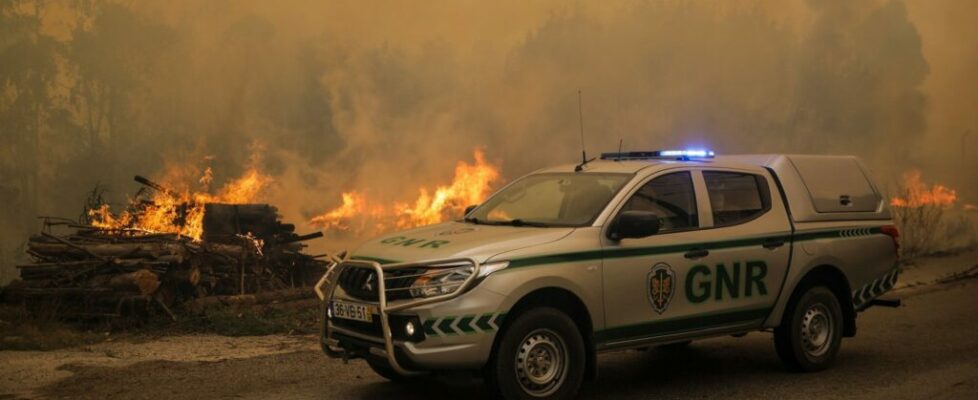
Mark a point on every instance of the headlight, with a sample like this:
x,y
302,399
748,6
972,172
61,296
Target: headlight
x,y
437,282
488,268
447,280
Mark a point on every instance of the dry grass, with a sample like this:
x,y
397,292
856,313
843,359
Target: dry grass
x,y
295,317
22,330
36,329
933,229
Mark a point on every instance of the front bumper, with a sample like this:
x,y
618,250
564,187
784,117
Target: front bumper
x,y
455,330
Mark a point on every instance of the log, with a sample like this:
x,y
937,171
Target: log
x,y
230,250
224,221
301,238
201,304
100,251
64,291
71,245
60,265
142,280
191,276
156,186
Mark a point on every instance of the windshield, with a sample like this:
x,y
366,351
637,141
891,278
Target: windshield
x,y
551,199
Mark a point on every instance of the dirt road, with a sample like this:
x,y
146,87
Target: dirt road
x,y
927,349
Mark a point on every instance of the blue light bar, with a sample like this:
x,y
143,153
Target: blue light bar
x,y
681,155
687,153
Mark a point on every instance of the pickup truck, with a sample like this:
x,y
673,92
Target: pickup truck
x,y
634,250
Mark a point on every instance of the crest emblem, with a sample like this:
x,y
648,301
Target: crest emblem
x,y
368,284
661,284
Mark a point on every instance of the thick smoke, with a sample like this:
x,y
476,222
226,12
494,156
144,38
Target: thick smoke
x,y
387,98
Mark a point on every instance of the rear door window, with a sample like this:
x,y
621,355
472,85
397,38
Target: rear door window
x,y
671,197
736,197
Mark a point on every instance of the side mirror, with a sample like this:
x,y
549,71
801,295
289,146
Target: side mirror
x,y
634,225
469,209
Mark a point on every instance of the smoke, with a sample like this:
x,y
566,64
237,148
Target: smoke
x,y
386,98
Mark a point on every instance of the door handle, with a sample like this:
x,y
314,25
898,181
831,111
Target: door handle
x,y
773,244
696,253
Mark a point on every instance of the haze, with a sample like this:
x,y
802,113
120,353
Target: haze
x,y
385,97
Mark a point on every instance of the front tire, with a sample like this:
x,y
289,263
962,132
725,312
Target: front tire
x,y
541,355
810,333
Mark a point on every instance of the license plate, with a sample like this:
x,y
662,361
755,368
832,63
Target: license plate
x,y
354,311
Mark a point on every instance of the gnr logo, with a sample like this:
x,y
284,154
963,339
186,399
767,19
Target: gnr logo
x,y
720,282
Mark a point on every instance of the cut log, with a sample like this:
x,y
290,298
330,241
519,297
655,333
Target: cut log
x,y
199,305
151,249
143,280
302,238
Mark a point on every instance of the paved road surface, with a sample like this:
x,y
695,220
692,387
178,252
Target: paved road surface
x,y
927,349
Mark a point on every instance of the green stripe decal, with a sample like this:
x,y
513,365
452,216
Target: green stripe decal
x,y
598,254
640,251
378,260
653,250
679,325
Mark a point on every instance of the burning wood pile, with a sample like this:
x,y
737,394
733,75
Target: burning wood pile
x,y
114,266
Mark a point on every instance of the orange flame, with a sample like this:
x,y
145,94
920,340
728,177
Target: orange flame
x,y
180,212
354,205
918,194
471,185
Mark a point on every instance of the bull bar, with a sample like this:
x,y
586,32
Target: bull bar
x,y
330,281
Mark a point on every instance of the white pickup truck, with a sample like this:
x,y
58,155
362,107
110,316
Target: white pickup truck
x,y
633,250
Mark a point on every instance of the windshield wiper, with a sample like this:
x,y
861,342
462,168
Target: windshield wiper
x,y
473,220
520,222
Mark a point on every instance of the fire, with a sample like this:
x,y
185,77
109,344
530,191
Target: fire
x,y
181,212
354,205
471,185
918,194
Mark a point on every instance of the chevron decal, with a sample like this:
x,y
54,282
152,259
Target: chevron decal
x,y
857,232
445,326
871,290
483,322
463,325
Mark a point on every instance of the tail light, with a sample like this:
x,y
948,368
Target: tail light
x,y
893,233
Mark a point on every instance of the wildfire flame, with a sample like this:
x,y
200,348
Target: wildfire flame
x,y
471,184
919,194
342,218
181,212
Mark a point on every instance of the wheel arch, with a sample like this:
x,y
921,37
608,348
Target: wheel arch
x,y
567,302
834,279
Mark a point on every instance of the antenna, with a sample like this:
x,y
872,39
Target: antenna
x,y
619,147
580,115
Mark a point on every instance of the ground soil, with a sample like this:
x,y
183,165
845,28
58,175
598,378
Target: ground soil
x,y
925,349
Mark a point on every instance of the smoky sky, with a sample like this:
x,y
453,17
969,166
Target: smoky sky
x,y
385,97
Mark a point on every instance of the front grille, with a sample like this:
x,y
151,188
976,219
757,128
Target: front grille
x,y
361,283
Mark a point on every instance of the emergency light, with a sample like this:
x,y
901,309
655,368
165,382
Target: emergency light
x,y
681,155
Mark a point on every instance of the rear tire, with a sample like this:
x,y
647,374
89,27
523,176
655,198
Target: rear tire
x,y
810,333
541,355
